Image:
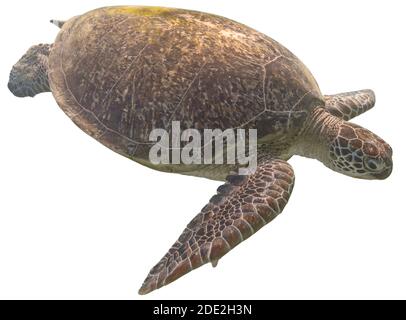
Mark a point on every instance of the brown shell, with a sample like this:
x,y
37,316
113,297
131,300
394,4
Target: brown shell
x,y
119,72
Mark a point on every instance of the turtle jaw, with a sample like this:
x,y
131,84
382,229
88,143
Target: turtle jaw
x,y
384,174
386,158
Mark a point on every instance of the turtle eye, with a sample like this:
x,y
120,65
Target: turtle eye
x,y
373,164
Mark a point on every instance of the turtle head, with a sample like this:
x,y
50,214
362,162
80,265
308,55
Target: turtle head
x,y
29,76
359,153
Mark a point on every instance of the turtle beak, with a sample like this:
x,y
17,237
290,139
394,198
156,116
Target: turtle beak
x,y
384,174
387,155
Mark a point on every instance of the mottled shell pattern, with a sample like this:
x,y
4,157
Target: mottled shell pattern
x,y
120,72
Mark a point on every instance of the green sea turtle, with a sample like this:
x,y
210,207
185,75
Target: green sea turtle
x,y
120,72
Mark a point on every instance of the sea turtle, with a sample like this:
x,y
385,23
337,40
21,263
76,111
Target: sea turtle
x,y
120,72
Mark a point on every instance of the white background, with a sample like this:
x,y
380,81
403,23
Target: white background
x,y
79,221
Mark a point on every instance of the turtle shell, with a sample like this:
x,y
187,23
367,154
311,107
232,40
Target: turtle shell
x,y
120,72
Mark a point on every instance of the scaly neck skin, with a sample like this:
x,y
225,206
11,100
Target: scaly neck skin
x,y
320,130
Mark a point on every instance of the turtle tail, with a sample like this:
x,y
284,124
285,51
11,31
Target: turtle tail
x,y
58,23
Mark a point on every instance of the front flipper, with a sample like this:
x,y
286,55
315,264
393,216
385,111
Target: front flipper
x,y
350,104
242,206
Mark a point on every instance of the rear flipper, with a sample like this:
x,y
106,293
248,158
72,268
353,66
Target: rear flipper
x,y
243,205
348,105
